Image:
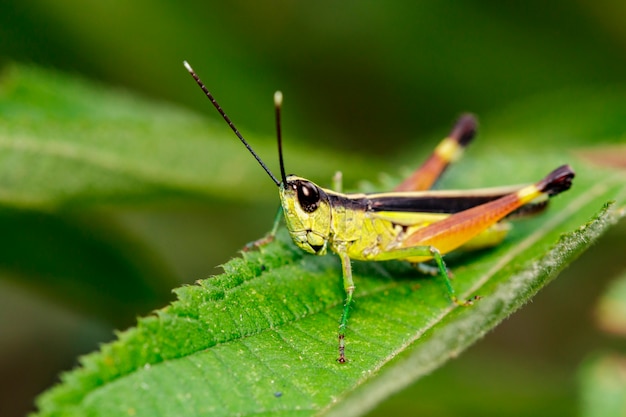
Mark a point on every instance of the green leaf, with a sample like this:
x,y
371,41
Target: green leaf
x,y
603,376
611,312
603,384
261,338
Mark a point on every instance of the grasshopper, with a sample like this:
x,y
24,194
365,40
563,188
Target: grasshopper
x,y
410,223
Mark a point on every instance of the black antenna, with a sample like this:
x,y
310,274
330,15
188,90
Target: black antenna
x,y
278,103
230,123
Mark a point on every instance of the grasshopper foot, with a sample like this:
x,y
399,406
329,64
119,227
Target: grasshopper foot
x,y
342,349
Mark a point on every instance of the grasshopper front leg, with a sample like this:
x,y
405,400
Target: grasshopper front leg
x,y
268,237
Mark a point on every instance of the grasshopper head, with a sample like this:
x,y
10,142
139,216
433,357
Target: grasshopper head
x,y
307,214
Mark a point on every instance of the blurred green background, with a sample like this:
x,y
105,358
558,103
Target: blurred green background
x,y
362,79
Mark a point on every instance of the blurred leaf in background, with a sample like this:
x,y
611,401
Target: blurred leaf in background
x,y
603,376
118,200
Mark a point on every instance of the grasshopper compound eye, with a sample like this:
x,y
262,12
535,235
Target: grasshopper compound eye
x,y
308,196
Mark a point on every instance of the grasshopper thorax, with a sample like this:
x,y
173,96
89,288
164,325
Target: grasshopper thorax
x,y
307,214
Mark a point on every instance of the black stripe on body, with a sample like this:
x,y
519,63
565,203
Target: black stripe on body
x,y
429,204
441,202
